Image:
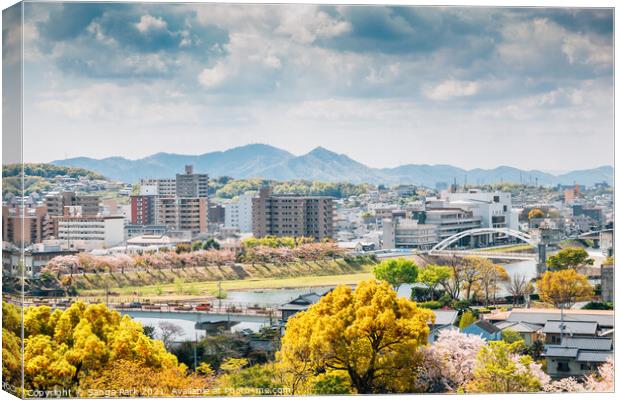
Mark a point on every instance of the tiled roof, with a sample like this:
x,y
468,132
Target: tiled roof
x,y
445,317
557,351
521,327
603,344
541,316
571,327
594,356
484,325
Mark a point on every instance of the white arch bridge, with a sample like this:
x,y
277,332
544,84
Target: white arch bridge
x,y
442,248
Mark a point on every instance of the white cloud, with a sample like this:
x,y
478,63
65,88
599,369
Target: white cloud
x,y
305,24
212,77
582,50
148,22
450,89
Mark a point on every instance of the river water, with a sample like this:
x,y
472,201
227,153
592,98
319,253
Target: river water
x,y
274,297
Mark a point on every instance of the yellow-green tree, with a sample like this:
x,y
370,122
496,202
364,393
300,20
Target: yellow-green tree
x,y
564,288
11,346
396,272
569,257
498,369
535,213
467,319
433,275
90,346
370,333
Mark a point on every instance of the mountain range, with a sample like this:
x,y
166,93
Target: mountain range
x,y
268,162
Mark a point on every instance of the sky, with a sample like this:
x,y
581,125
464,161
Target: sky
x,y
470,87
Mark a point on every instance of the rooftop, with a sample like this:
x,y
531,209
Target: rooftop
x,y
571,327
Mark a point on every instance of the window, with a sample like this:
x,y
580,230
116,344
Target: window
x,y
563,366
495,199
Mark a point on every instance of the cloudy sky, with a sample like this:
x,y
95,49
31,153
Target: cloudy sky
x,y
471,87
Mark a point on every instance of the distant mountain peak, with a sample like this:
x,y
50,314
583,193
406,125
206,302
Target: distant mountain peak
x,y
259,160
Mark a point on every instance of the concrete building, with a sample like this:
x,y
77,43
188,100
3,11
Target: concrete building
x,y
216,214
190,184
290,215
143,209
89,232
408,234
450,221
493,208
158,187
132,230
23,226
176,213
34,258
57,202
238,214
596,214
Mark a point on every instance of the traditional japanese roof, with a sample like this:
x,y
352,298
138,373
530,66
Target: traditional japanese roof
x,y
445,317
594,356
521,327
539,316
488,327
571,327
558,351
597,343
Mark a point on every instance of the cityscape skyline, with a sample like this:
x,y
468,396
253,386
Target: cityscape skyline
x,y
400,83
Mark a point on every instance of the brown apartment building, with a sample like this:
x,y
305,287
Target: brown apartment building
x,y
291,215
24,228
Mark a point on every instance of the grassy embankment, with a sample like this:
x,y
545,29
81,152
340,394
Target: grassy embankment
x,y
517,248
187,283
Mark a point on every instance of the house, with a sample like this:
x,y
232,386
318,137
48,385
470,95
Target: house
x,y
444,319
301,303
484,329
529,332
539,316
576,356
555,330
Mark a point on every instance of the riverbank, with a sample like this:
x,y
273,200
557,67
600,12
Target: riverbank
x,y
327,273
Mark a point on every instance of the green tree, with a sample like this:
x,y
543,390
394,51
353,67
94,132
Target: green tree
x,y
396,272
331,383
498,369
570,257
467,319
433,275
511,336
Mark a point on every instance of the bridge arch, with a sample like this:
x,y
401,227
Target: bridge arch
x,y
481,231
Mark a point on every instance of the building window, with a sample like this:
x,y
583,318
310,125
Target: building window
x,y
563,366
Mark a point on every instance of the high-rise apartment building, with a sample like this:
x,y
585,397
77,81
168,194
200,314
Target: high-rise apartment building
x,y
291,215
24,226
238,214
57,202
178,213
190,184
143,210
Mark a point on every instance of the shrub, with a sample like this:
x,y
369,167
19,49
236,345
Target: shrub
x,y
599,305
433,305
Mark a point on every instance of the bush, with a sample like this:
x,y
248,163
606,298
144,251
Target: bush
x,y
461,305
484,310
445,300
433,305
599,305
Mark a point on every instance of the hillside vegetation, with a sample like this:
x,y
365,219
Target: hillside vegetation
x,y
36,177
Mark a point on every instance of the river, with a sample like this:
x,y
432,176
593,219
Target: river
x,y
274,297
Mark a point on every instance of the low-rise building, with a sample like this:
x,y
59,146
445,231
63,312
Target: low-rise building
x,y
90,232
577,356
409,234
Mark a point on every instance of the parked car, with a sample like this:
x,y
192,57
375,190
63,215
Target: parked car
x,y
135,304
203,307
